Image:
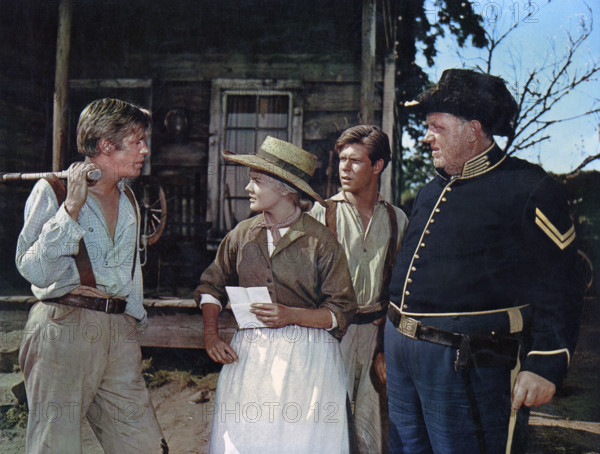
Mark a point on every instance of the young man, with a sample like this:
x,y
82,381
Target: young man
x,y
80,353
370,231
489,261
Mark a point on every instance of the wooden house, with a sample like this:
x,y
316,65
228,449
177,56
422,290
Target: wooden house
x,y
216,75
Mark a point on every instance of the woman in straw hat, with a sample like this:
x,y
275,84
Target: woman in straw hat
x,y
282,387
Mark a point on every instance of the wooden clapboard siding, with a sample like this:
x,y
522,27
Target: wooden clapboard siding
x,y
332,96
335,97
193,95
326,96
330,88
310,68
319,125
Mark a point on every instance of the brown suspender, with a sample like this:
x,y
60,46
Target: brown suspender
x,y
390,257
331,216
82,259
129,193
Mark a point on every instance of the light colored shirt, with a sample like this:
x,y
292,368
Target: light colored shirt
x,y
365,248
50,239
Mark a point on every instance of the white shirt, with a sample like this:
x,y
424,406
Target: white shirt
x,y
50,239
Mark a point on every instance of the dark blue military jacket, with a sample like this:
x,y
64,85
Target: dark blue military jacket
x,y
499,236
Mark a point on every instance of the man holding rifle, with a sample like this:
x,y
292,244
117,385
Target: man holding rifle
x,y
78,248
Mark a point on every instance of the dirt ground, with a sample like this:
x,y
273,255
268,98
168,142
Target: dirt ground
x,y
568,425
571,422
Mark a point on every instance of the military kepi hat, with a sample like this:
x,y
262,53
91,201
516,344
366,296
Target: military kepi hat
x,y
471,95
283,160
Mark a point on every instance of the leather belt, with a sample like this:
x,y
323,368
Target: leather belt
x,y
108,305
478,349
416,330
368,317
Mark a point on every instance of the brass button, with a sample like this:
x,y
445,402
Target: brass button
x,y
449,189
409,280
437,210
407,293
414,268
427,232
405,306
417,256
422,244
432,221
444,199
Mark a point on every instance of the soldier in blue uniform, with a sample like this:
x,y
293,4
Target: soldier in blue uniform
x,y
485,297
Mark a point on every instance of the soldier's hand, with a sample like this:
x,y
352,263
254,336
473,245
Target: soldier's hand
x,y
77,187
531,390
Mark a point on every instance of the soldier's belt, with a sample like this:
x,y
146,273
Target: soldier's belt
x,y
478,350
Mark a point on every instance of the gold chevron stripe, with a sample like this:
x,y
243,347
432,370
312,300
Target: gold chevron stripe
x,y
562,240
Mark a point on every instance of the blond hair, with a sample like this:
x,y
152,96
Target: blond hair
x,y
110,119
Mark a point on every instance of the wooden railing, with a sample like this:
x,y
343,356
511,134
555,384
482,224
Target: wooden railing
x,y
173,323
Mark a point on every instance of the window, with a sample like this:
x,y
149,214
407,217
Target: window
x,y
243,113
249,119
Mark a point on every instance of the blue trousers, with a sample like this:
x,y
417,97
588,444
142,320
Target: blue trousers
x,y
429,408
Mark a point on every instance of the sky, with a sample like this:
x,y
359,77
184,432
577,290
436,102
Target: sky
x,y
539,39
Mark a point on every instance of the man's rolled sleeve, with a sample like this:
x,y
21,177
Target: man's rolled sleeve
x,y
336,287
219,273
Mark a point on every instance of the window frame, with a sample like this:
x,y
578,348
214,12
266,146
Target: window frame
x,y
221,90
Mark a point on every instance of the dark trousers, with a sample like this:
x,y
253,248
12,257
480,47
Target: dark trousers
x,y
429,408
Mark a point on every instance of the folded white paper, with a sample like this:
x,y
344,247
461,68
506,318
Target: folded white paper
x,y
241,298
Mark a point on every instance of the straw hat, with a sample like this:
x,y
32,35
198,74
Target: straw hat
x,y
471,95
284,160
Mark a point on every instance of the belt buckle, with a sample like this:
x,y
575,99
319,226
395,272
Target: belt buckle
x,y
409,326
108,307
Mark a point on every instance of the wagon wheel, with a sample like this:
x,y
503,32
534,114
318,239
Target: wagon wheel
x,y
153,209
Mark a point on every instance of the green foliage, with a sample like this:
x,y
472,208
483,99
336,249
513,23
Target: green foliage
x,y
584,200
419,28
